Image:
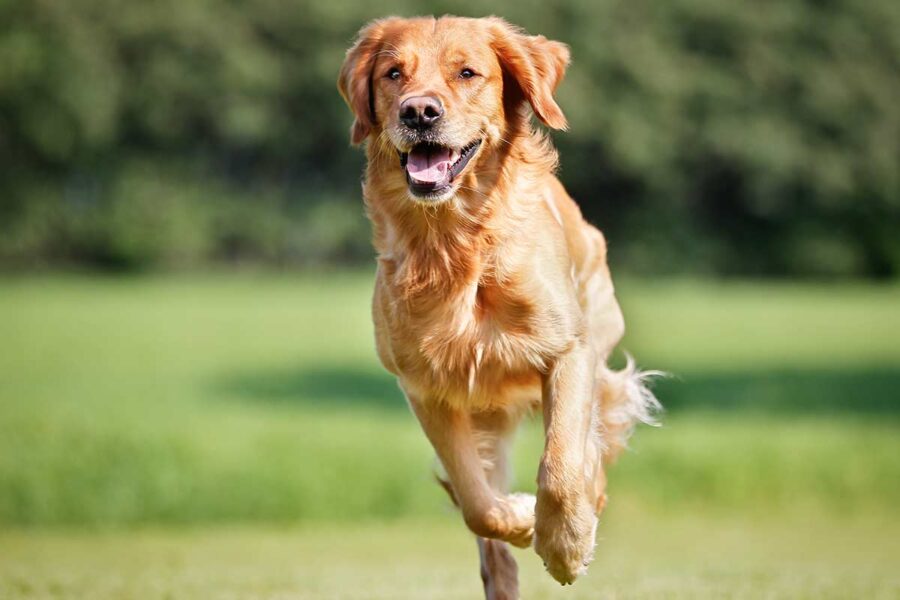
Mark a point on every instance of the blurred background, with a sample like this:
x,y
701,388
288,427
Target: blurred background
x,y
190,404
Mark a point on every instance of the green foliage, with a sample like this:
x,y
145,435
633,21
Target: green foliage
x,y
198,400
706,136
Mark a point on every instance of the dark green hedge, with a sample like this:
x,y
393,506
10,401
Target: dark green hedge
x,y
743,137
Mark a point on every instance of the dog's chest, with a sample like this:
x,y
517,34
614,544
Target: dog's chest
x,y
484,344
484,322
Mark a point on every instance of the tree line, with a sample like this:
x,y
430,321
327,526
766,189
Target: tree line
x,y
724,138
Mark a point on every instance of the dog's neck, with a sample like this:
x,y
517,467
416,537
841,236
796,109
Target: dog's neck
x,y
435,249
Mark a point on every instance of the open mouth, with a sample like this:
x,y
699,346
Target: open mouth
x,y
431,168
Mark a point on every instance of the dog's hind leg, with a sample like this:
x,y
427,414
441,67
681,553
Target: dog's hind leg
x,y
492,433
499,571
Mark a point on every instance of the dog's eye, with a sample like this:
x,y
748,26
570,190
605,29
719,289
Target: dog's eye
x,y
466,74
393,73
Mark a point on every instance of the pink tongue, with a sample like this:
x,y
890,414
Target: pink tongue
x,y
428,165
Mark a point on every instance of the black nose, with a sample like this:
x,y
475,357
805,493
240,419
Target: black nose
x,y
421,112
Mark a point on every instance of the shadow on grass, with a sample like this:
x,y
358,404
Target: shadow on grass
x,y
864,392
326,387
871,392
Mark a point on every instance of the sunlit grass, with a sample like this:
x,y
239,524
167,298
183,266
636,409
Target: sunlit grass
x,y
258,398
254,406
679,556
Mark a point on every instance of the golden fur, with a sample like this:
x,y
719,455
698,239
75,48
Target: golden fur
x,y
497,298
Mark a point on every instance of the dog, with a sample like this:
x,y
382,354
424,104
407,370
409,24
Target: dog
x,y
492,294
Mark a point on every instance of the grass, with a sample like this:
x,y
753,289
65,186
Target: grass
x,y
676,557
256,398
135,411
757,327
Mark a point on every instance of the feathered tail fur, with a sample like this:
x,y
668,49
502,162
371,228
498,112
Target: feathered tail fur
x,y
624,400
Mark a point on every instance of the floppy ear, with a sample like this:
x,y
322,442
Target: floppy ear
x,y
355,79
536,64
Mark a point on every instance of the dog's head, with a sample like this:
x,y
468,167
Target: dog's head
x,y
442,91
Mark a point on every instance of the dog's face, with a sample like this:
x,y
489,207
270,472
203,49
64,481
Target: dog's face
x,y
441,92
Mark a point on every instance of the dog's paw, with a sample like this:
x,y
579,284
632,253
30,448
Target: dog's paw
x,y
522,508
564,537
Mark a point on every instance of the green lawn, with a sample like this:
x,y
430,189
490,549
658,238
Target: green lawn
x,y
234,437
681,556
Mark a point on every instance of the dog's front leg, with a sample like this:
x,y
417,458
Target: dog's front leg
x,y
487,513
566,523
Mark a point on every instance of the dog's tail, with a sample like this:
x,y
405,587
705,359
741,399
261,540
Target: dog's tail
x,y
624,400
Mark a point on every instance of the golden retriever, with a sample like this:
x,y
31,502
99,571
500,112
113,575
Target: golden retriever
x,y
492,294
